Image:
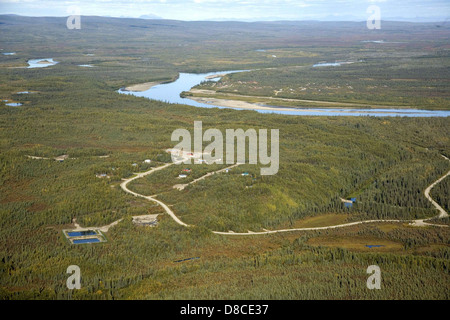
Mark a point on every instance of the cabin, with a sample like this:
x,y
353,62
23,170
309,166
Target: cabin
x,y
187,170
148,161
182,176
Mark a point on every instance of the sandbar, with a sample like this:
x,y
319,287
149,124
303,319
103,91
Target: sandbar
x,y
142,86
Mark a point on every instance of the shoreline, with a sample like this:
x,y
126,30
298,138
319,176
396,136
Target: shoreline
x,y
300,107
237,104
328,106
141,87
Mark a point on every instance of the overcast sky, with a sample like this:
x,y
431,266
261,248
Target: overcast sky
x,y
247,10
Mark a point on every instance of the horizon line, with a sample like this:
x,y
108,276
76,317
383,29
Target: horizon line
x,y
411,20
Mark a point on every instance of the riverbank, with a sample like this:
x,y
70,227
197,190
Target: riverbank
x,y
182,91
141,87
239,104
289,103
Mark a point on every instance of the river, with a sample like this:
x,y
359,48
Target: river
x,y
170,93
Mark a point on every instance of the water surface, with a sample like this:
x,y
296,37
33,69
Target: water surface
x,y
41,63
81,233
170,93
93,240
327,64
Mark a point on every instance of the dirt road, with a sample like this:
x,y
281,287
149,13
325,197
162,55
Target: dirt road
x,y
442,212
418,223
182,186
124,187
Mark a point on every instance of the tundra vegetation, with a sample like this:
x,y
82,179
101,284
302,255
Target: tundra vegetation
x,y
385,163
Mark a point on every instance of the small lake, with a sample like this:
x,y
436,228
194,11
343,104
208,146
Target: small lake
x,y
380,41
41,63
332,64
170,93
327,64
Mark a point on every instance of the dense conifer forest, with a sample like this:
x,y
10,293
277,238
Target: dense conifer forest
x,y
386,163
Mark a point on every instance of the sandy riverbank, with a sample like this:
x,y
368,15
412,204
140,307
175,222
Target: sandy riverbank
x,y
215,76
142,86
236,104
329,105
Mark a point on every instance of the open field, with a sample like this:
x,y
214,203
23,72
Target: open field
x,y
357,244
321,221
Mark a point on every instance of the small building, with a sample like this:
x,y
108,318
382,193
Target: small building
x,y
187,170
148,161
182,176
245,174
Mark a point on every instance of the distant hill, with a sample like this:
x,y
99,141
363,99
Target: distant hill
x,y
150,16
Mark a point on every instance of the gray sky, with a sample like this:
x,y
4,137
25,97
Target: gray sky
x,y
247,10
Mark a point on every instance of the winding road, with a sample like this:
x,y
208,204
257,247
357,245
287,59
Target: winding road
x,y
442,212
418,223
181,187
124,187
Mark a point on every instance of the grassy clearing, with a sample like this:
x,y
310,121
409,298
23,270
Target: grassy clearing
x,y
357,243
321,221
